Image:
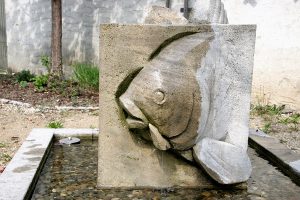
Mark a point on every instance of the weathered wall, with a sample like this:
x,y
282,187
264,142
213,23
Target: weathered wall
x,y
3,46
29,28
277,57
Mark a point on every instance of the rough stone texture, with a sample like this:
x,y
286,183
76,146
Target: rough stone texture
x,y
163,15
166,95
125,160
225,162
208,11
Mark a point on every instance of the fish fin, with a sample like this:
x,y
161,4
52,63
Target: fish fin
x,y
224,162
158,140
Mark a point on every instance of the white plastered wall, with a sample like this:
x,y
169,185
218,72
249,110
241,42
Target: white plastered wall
x,y
276,77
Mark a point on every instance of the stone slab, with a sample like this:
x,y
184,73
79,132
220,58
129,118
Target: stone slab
x,y
20,174
126,161
81,133
277,153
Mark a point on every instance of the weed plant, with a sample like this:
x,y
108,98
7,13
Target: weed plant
x,y
23,84
5,157
2,145
268,109
55,124
40,82
87,75
24,75
267,127
46,62
273,114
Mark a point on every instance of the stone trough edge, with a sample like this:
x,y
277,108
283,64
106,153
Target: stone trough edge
x,y
21,174
277,153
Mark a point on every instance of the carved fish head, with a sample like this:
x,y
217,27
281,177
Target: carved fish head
x,y
160,97
165,96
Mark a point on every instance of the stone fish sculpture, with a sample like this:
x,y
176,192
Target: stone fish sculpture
x,y
168,103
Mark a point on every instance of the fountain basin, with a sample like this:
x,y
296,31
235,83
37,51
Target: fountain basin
x,y
20,176
44,169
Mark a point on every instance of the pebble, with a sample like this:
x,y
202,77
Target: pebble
x,y
206,194
63,194
2,168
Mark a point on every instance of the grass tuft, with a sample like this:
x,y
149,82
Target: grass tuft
x,y
55,124
87,75
268,109
2,145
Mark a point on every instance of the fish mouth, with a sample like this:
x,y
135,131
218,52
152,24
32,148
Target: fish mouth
x,y
135,119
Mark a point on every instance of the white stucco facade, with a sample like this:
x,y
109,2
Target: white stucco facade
x,y
276,77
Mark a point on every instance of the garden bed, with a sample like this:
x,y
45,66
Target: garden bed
x,y
68,93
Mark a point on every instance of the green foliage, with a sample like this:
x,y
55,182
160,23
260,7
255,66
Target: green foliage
x,y
295,118
40,82
267,127
55,124
5,157
87,75
46,62
67,88
2,145
292,120
24,75
272,115
23,84
268,109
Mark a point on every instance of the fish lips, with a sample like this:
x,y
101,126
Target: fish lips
x,y
136,119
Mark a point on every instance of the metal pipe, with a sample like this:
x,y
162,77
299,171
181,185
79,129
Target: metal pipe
x,y
168,3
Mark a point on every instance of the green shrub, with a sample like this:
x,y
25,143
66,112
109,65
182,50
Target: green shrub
x,y
40,82
55,124
87,75
23,84
46,62
24,75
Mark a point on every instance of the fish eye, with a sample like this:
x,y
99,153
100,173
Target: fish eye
x,y
159,96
